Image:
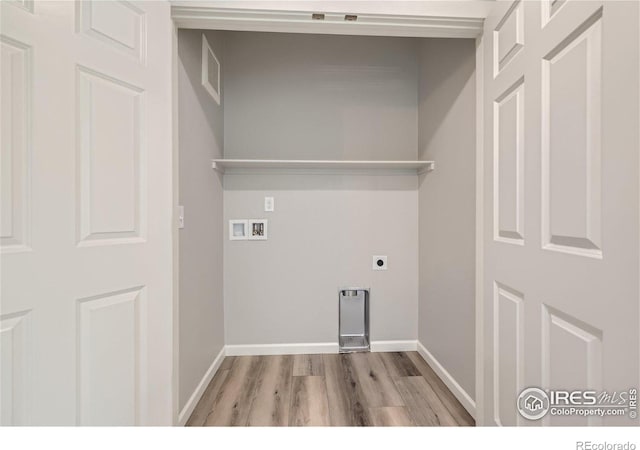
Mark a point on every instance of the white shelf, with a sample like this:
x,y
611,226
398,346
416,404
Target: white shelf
x,y
413,167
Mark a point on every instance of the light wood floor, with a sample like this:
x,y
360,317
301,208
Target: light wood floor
x,y
356,389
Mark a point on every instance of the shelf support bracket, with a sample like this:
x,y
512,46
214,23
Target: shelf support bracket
x,y
217,167
429,168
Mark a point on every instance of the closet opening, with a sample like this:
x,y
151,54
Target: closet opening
x,y
303,160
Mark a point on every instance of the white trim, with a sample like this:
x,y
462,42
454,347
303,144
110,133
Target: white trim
x,y
175,241
281,349
394,346
208,17
202,386
464,8
448,380
479,286
314,348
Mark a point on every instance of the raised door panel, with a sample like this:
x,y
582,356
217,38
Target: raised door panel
x,y
571,143
571,359
15,376
111,152
15,145
119,24
508,353
508,37
508,160
111,358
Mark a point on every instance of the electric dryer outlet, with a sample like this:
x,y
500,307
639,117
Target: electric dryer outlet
x,y
379,262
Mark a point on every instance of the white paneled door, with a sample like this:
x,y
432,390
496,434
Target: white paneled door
x,y
561,95
86,309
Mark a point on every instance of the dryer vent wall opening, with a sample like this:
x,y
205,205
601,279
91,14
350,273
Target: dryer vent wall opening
x,y
354,320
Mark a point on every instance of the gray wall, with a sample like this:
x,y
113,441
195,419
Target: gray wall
x,y
322,236
447,206
320,97
201,126
304,96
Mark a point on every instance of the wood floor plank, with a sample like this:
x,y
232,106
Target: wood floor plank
x,y
346,401
307,365
423,404
271,400
227,362
205,405
391,416
377,385
309,405
398,364
233,402
456,409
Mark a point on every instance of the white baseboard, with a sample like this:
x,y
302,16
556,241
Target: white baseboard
x,y
314,348
394,346
281,349
197,394
462,396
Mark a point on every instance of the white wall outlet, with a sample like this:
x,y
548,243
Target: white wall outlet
x,y
269,204
379,262
180,216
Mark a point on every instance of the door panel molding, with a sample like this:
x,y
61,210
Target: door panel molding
x,y
508,37
571,143
16,367
508,161
570,346
508,352
111,154
17,93
111,361
119,24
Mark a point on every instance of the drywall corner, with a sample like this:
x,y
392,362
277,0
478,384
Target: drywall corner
x,y
201,129
447,203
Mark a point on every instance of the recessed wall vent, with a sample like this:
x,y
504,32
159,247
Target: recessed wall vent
x,y
210,70
317,16
350,17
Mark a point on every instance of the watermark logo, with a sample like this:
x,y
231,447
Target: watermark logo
x,y
533,403
590,445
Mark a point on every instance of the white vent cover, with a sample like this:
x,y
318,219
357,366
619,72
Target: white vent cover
x,y
210,70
